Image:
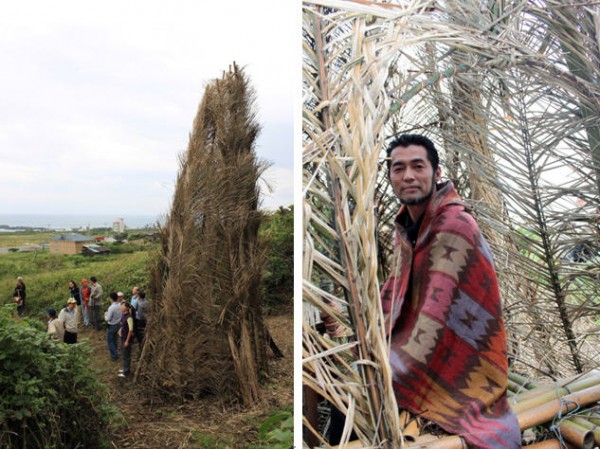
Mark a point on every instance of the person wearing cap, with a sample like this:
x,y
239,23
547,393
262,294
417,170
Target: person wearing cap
x,y
85,301
69,319
113,320
56,329
120,297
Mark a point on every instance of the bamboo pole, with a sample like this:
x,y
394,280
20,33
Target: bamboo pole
x,y
426,441
449,442
576,434
594,428
554,443
544,394
522,381
410,426
546,411
529,394
594,418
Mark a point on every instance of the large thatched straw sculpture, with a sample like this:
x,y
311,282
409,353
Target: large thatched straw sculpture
x,y
206,334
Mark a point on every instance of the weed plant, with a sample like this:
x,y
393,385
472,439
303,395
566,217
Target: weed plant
x,y
50,397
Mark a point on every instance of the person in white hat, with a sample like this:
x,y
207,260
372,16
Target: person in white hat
x,y
69,319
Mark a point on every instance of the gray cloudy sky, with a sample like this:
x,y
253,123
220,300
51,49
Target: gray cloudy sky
x,y
97,99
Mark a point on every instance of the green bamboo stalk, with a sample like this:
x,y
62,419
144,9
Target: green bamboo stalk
x,y
584,422
544,412
522,381
576,434
559,391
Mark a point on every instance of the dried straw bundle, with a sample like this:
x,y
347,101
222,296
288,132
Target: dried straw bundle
x,y
207,333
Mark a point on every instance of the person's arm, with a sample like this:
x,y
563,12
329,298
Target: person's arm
x,y
61,317
59,326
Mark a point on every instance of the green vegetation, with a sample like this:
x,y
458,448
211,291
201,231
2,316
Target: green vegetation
x,y
47,275
279,276
21,238
277,431
206,441
50,396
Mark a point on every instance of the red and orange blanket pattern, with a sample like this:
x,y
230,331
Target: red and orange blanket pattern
x,y
448,342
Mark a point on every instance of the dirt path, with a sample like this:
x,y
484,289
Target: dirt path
x,y
208,423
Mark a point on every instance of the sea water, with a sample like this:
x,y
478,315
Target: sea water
x,y
66,222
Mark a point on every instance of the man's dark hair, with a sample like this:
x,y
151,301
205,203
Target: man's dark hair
x,y
114,296
142,294
405,140
93,279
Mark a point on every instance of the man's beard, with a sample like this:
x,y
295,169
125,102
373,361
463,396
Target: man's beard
x,y
421,200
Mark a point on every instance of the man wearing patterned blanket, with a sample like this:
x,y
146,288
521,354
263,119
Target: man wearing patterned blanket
x,y
442,306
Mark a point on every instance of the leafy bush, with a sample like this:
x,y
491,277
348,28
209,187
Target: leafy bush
x,y
279,277
50,396
277,431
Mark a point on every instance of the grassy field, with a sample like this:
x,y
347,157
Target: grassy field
x,y
15,239
47,275
204,423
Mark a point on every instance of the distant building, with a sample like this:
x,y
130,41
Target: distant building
x,y
69,243
153,237
94,250
119,225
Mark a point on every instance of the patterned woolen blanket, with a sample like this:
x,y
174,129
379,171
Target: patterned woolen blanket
x,y
448,342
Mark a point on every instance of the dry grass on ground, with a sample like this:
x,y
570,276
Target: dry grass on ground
x,y
207,423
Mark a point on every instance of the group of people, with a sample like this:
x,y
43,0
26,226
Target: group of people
x,y
89,298
124,319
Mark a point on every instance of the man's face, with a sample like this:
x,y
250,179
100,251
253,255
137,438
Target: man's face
x,y
134,291
412,175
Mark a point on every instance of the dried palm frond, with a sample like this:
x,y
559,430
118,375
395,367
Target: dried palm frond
x,y
206,333
509,92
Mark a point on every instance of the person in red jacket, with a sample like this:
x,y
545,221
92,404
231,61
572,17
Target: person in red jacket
x,y
86,291
442,306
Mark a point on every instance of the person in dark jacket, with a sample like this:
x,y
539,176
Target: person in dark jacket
x,y
19,295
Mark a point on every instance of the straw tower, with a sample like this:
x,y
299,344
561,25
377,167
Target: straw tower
x,y
206,333
510,92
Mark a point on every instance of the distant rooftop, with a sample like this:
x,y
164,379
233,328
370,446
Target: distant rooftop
x,y
73,237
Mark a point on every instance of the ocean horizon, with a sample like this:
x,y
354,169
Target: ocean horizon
x,y
67,222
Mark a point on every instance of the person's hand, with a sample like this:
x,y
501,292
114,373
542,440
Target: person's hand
x,y
126,344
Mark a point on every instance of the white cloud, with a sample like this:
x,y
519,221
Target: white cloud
x,y
98,98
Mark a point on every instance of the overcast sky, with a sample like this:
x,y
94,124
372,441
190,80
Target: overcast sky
x,y
97,99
